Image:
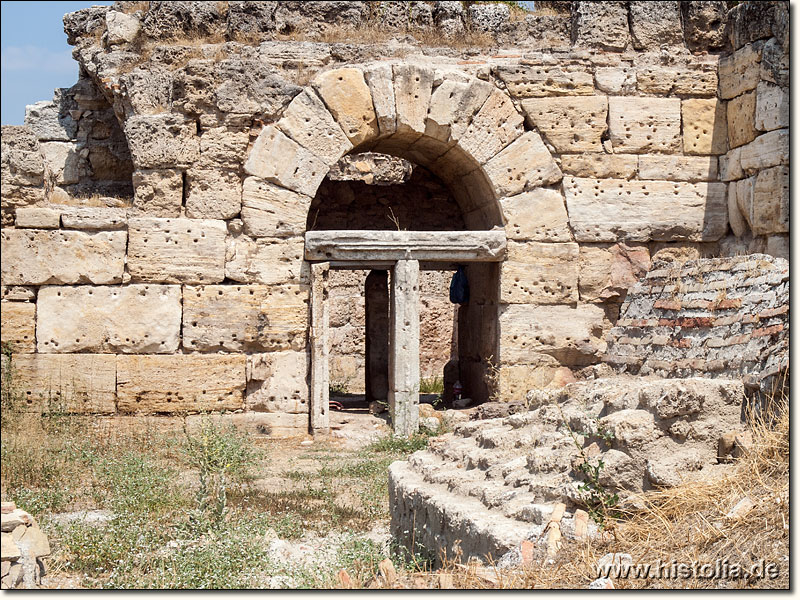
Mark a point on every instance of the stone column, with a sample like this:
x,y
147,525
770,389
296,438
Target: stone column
x,y
376,300
320,349
404,348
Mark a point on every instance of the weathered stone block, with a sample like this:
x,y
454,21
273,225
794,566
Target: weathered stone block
x,y
539,215
704,127
35,257
308,122
615,80
493,128
77,383
94,217
570,123
412,95
347,96
516,380
61,161
278,382
245,318
730,165
573,336
452,106
654,24
601,166
37,217
19,326
737,221
162,140
223,147
278,159
772,107
213,194
741,120
770,208
158,192
677,82
18,293
677,168
180,383
607,271
176,250
266,260
601,25
537,273
272,211
48,123
524,164
20,158
129,319
544,81
644,124
121,28
379,78
614,210
767,150
739,72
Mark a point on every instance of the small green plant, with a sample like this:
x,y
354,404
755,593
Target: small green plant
x,y
338,388
431,385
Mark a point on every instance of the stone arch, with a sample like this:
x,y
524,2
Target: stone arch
x,y
465,130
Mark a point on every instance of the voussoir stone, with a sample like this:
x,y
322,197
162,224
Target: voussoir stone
x,y
176,250
524,164
381,87
767,150
90,319
452,106
36,257
347,96
245,318
739,72
272,211
206,382
494,127
412,95
308,122
570,123
613,210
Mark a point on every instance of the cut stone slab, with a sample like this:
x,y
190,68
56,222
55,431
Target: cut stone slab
x,y
772,108
35,257
245,318
181,382
767,150
494,127
98,218
600,166
544,81
265,260
77,383
19,326
569,123
539,215
677,82
37,217
277,382
347,96
143,318
525,164
412,95
308,122
644,124
677,168
281,160
176,250
272,211
740,72
538,273
615,210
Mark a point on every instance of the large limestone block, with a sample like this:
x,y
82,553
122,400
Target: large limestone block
x,y
380,80
644,124
158,192
453,103
20,159
662,81
741,113
412,95
213,193
266,260
180,383
569,123
278,382
654,24
677,168
523,165
37,217
19,326
619,81
544,81
767,150
308,122
272,211
607,271
600,166
705,128
739,72
35,257
493,127
164,140
139,319
223,147
614,210
347,96
772,107
48,121
539,215
245,318
770,208
601,25
94,218
572,335
78,383
61,161
176,250
278,159
539,273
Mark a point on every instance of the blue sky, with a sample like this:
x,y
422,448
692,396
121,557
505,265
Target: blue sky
x,y
34,55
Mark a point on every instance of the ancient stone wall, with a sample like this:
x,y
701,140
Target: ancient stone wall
x,y
594,138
